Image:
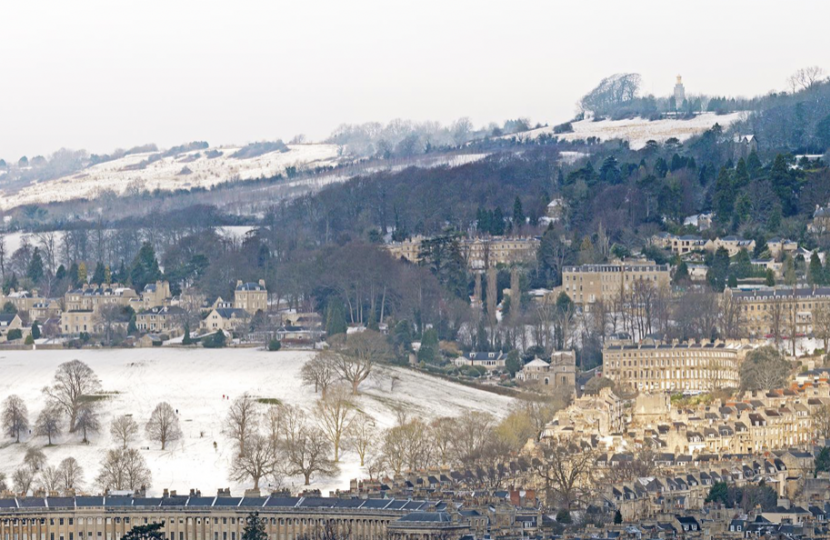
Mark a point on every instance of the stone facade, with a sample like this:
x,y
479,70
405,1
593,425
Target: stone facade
x,y
779,310
203,518
591,283
663,367
251,297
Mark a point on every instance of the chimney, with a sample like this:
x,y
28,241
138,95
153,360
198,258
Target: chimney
x,y
238,282
166,493
262,283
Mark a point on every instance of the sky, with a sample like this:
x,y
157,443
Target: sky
x,y
104,74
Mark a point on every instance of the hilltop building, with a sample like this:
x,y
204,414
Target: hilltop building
x,y
679,92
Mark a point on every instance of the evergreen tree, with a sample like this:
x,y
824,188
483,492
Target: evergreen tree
x,y
131,326
35,270
99,276
815,274
822,461
609,171
724,196
335,317
186,339
741,174
681,275
618,518
783,185
717,273
429,351
35,330
151,531
60,273
497,226
518,213
145,267
753,164
73,274
660,168
254,528
513,363
769,280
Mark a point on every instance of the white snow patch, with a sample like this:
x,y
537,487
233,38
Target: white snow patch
x,y
193,382
638,131
165,174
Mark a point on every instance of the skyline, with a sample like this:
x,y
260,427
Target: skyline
x,y
131,75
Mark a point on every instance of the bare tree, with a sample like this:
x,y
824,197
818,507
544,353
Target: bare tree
x,y
71,473
305,447
87,420
163,425
23,479
3,485
821,323
806,78
242,420
568,472
376,467
35,459
49,422
334,415
320,372
258,461
50,479
361,435
15,417
124,430
442,435
357,354
474,433
73,380
123,469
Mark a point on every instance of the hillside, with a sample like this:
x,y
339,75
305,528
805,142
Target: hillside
x,y
637,131
186,170
194,382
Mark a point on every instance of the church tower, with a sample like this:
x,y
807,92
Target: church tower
x,y
679,92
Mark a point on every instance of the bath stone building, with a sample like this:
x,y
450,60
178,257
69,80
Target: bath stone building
x,y
674,367
782,311
215,518
591,283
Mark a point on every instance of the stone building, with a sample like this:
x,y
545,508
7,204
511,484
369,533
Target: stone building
x,y
251,297
480,253
674,367
591,283
779,311
208,518
94,297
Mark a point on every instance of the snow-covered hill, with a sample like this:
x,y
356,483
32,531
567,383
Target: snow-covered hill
x,y
638,131
187,170
194,381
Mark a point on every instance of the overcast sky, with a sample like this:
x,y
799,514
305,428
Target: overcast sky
x,y
105,74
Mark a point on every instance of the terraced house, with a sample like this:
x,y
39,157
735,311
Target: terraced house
x,y
223,517
780,312
653,366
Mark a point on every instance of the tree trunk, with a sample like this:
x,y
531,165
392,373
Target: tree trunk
x,y
307,478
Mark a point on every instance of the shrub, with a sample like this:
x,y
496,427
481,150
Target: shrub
x,y
274,345
214,341
14,334
29,340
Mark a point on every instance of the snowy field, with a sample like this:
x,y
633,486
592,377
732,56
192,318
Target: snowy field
x,y
194,381
638,131
166,173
